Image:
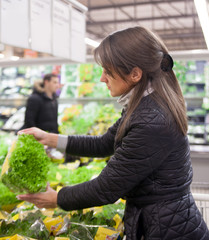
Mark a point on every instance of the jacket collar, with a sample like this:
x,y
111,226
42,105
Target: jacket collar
x,y
39,89
124,99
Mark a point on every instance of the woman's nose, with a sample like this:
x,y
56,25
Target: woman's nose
x,y
103,78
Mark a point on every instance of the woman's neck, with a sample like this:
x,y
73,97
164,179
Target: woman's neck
x,y
124,99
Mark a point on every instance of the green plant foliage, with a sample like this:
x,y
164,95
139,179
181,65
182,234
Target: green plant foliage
x,y
100,91
71,72
180,69
89,120
97,73
110,210
79,175
85,71
85,226
31,226
108,114
28,166
80,225
86,119
3,150
1,123
6,196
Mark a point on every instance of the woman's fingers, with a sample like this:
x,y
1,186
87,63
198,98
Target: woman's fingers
x,y
48,188
46,199
39,134
30,197
28,131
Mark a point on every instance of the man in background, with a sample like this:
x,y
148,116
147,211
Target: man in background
x,y
42,106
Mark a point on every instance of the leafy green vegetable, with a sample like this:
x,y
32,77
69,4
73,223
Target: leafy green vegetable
x,y
89,119
28,166
109,211
79,175
85,226
30,226
3,151
6,196
5,140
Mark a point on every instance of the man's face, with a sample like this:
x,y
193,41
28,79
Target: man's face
x,y
53,85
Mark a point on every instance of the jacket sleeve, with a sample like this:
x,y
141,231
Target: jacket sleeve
x,y
142,151
93,146
32,109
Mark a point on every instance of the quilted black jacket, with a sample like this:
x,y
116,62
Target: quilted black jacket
x,y
150,168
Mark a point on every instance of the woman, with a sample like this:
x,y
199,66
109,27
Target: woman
x,y
150,166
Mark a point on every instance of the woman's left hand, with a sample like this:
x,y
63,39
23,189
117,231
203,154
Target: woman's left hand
x,y
46,199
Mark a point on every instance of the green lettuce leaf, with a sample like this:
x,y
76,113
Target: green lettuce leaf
x,y
28,166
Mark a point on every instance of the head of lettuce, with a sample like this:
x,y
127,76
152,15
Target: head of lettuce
x,y
26,166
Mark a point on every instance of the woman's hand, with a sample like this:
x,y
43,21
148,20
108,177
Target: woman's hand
x,y
46,199
49,139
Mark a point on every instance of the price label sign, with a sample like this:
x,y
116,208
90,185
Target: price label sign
x,y
15,23
41,25
61,29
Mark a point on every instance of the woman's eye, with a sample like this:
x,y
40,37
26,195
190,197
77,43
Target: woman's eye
x,y
106,72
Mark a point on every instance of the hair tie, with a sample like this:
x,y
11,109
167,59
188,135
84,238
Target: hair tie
x,y
166,63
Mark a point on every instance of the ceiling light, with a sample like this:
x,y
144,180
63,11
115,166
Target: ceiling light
x,y
14,58
1,55
202,11
91,42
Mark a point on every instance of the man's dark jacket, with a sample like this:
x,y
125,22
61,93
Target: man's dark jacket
x,y
41,111
150,168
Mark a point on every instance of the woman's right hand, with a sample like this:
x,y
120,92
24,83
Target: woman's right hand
x,y
49,139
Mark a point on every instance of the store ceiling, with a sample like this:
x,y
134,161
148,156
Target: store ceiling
x,y
175,21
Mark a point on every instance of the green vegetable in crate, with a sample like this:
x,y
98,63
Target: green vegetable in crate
x,y
8,199
30,226
85,72
3,150
26,166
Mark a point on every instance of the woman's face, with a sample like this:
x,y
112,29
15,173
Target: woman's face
x,y
115,83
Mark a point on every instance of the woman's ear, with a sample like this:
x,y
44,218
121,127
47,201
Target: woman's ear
x,y
136,74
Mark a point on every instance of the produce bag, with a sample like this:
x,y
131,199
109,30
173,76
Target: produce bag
x,y
31,226
16,237
56,226
62,238
26,166
107,234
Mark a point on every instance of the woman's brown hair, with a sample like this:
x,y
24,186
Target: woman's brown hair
x,y
139,47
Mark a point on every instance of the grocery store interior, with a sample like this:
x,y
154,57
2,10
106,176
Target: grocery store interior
x,y
58,36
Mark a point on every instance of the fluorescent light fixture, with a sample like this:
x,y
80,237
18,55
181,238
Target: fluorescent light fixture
x,y
91,42
202,11
1,55
14,58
